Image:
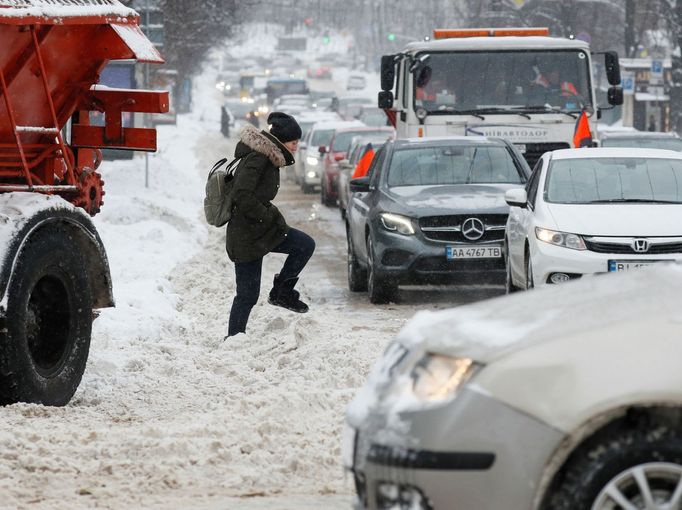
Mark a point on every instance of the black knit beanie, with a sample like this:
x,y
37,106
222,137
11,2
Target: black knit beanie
x,y
284,127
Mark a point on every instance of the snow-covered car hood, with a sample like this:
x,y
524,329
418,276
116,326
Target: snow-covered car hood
x,y
544,351
491,329
628,220
456,199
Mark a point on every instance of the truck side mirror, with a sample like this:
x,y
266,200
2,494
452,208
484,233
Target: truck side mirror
x,y
387,72
385,99
612,68
615,95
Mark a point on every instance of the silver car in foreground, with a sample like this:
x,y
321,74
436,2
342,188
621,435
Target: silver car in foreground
x,y
563,398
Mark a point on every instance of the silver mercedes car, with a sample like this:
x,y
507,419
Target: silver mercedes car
x,y
431,211
564,398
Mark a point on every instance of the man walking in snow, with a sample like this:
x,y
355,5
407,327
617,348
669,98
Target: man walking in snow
x,y
257,227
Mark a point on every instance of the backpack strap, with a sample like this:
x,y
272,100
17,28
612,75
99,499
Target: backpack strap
x,y
232,167
217,166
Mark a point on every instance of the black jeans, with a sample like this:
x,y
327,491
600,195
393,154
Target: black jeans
x,y
298,245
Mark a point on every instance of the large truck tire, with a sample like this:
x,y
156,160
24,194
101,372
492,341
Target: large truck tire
x,y
44,347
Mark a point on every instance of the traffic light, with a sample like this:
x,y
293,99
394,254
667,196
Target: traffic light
x,y
391,37
326,39
308,21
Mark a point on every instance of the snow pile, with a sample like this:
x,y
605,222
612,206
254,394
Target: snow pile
x,y
65,8
170,415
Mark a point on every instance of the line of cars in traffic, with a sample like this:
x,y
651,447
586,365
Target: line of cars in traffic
x,y
565,398
456,210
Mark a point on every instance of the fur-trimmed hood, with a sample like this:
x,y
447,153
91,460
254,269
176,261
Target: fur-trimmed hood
x,y
266,144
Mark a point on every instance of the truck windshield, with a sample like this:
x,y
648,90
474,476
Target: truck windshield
x,y
426,166
496,82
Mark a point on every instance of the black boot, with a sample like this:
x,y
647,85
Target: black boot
x,y
284,295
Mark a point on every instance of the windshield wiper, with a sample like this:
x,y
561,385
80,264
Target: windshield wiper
x,y
450,109
479,112
632,201
545,108
502,110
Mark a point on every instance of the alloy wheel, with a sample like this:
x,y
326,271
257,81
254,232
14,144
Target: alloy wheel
x,y
650,486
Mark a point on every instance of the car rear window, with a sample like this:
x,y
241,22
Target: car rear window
x,y
603,180
343,140
425,166
322,137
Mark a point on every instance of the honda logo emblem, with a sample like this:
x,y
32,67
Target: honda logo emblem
x,y
641,245
473,229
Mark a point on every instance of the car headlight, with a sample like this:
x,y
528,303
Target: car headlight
x,y
312,175
312,160
572,241
397,223
437,377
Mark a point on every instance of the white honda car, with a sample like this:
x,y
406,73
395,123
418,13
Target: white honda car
x,y
589,211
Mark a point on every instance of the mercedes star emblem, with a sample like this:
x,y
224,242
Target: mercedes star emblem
x,y
473,229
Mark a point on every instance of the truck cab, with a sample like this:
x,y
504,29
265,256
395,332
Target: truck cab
x,y
518,84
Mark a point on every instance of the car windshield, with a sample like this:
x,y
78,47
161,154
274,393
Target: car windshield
x,y
522,81
468,164
287,87
322,137
673,144
239,108
305,126
374,119
343,140
614,180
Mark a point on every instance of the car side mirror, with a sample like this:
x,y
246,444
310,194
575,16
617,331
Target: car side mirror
x,y
359,185
516,198
322,149
615,96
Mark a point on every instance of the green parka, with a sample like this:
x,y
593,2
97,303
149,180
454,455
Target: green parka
x,y
257,226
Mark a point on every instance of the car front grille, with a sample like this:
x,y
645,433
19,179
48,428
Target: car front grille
x,y
627,249
448,228
534,151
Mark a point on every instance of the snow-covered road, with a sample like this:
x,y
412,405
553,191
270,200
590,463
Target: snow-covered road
x,y
168,414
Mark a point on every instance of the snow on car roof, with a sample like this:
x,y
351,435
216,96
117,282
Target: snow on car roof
x,y
615,152
338,124
363,127
498,43
425,140
489,330
640,134
308,116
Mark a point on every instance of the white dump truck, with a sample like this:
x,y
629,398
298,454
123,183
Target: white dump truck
x,y
519,84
